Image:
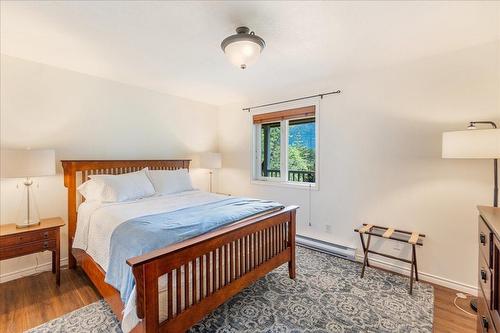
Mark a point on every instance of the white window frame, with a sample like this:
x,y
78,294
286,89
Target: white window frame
x,y
284,128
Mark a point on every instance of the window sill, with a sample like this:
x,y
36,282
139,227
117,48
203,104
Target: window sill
x,y
299,186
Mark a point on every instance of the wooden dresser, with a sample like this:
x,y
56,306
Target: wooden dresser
x,y
488,319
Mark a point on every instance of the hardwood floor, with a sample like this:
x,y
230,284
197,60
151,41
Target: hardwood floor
x,y
33,300
449,319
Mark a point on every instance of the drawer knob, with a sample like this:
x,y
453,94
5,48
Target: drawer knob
x,y
486,323
45,245
483,275
482,238
46,234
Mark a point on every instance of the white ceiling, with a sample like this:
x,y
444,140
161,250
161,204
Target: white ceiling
x,y
174,47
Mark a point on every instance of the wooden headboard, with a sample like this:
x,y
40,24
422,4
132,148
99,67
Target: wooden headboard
x,y
77,172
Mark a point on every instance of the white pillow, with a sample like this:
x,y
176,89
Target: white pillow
x,y
91,190
170,181
127,186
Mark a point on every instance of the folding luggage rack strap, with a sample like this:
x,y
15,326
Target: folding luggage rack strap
x,y
411,238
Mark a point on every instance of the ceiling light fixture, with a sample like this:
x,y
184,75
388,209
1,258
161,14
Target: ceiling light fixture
x,y
244,48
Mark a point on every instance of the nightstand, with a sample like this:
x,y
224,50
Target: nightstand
x,y
43,237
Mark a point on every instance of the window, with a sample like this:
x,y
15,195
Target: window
x,y
271,150
286,146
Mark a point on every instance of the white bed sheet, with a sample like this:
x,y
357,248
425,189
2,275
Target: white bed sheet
x,y
97,221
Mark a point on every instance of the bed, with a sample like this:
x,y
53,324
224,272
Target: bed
x,y
177,285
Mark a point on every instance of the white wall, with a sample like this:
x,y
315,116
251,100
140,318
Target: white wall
x,y
380,156
85,117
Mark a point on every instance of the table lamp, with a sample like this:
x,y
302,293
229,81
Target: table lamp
x,y
210,161
27,164
479,144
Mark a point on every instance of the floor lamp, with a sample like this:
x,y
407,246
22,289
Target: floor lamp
x,y
210,161
475,143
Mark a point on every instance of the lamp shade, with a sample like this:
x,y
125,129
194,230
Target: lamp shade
x,y
471,144
243,53
244,48
210,161
27,163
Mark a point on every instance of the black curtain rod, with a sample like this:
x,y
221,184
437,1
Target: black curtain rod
x,y
291,100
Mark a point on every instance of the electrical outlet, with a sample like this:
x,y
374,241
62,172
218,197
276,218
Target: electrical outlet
x,y
328,228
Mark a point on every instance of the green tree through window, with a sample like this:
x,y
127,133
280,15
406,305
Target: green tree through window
x,y
301,150
271,149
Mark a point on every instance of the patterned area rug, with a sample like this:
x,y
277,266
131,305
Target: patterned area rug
x,y
93,318
327,296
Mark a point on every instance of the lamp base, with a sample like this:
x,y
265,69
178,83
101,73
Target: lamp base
x,y
211,174
27,224
30,216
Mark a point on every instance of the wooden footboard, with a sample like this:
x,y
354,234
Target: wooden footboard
x,y
201,273
206,271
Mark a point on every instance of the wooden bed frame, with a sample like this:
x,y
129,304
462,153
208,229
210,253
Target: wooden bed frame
x,y
218,264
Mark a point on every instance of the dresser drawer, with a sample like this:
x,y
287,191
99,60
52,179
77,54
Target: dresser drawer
x,y
15,251
484,322
485,241
485,280
27,237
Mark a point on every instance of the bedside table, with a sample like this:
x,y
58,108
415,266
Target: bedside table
x,y
43,237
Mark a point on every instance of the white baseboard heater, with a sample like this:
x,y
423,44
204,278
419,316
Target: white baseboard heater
x,y
330,248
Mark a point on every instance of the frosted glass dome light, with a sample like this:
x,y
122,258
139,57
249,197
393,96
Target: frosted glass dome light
x,y
244,48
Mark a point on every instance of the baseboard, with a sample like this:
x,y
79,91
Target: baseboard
x,y
423,276
30,271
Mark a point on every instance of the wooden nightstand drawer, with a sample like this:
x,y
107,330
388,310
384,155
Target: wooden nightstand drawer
x,y
28,237
27,248
45,236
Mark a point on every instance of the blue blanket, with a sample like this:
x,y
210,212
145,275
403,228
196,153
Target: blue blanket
x,y
144,234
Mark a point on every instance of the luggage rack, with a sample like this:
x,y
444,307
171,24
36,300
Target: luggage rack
x,y
412,238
